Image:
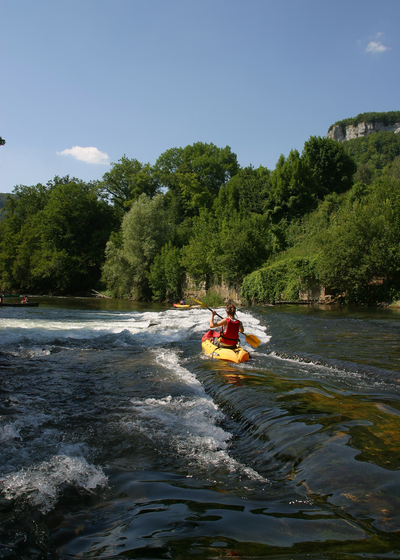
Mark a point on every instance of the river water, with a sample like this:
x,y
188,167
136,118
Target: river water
x,y
119,439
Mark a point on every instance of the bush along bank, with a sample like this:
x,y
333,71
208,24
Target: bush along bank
x,y
282,281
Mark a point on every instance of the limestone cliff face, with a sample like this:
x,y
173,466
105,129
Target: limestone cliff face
x,y
341,134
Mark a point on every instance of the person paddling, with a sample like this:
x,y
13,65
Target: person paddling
x,y
229,335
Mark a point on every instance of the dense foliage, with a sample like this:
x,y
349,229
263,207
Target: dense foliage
x,y
281,280
144,231
3,200
373,154
329,216
53,236
351,244
127,180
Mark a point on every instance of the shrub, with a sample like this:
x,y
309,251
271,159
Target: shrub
x,y
280,280
213,299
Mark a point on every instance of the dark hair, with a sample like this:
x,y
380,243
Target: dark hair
x,y
231,309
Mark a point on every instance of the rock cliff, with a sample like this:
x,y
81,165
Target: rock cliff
x,y
341,133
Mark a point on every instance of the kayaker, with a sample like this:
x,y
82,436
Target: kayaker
x,y
25,300
229,335
182,302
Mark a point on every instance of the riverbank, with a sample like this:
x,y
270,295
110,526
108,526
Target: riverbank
x,y
221,294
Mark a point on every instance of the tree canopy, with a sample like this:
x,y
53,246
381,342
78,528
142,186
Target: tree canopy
x,y
127,180
52,237
331,167
194,175
328,215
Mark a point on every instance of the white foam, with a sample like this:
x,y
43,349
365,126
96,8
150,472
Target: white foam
x,y
170,360
188,424
34,332
41,482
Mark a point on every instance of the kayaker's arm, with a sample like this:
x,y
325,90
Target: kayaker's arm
x,y
219,324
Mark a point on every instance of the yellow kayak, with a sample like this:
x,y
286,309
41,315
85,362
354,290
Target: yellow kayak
x,y
238,355
180,306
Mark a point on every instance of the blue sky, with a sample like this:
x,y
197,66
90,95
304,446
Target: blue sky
x,y
138,77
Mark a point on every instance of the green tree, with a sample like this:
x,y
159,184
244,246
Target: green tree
x,y
243,243
76,227
393,170
360,251
198,254
117,274
193,176
145,230
374,151
364,174
293,188
127,180
247,191
331,167
53,237
165,276
3,199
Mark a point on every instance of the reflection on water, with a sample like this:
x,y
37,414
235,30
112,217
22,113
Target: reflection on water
x,y
120,439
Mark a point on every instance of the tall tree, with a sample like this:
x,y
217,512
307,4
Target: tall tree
x,y
127,180
194,175
332,168
165,276
247,191
144,231
293,188
53,237
360,251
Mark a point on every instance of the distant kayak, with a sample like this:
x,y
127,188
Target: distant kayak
x,y
238,355
180,306
33,304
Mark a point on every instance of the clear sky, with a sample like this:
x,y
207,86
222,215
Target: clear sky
x,y
84,82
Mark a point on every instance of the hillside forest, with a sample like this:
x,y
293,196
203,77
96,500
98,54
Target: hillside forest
x,y
328,216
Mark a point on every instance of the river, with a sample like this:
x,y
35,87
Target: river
x,y
120,439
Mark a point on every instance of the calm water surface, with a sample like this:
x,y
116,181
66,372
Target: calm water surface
x,y
119,439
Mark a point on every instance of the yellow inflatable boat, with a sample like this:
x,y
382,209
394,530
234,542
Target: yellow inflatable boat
x,y
237,355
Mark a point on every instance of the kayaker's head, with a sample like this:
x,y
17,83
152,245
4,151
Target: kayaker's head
x,y
231,310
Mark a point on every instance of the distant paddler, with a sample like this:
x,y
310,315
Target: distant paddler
x,y
25,299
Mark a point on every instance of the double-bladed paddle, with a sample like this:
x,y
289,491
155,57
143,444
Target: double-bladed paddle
x,y
250,338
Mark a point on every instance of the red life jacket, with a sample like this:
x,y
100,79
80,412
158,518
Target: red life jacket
x,y
230,335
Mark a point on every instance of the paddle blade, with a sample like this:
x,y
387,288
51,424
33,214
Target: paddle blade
x,y
252,340
199,302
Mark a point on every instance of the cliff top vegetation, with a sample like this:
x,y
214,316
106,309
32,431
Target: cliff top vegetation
x,y
390,117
